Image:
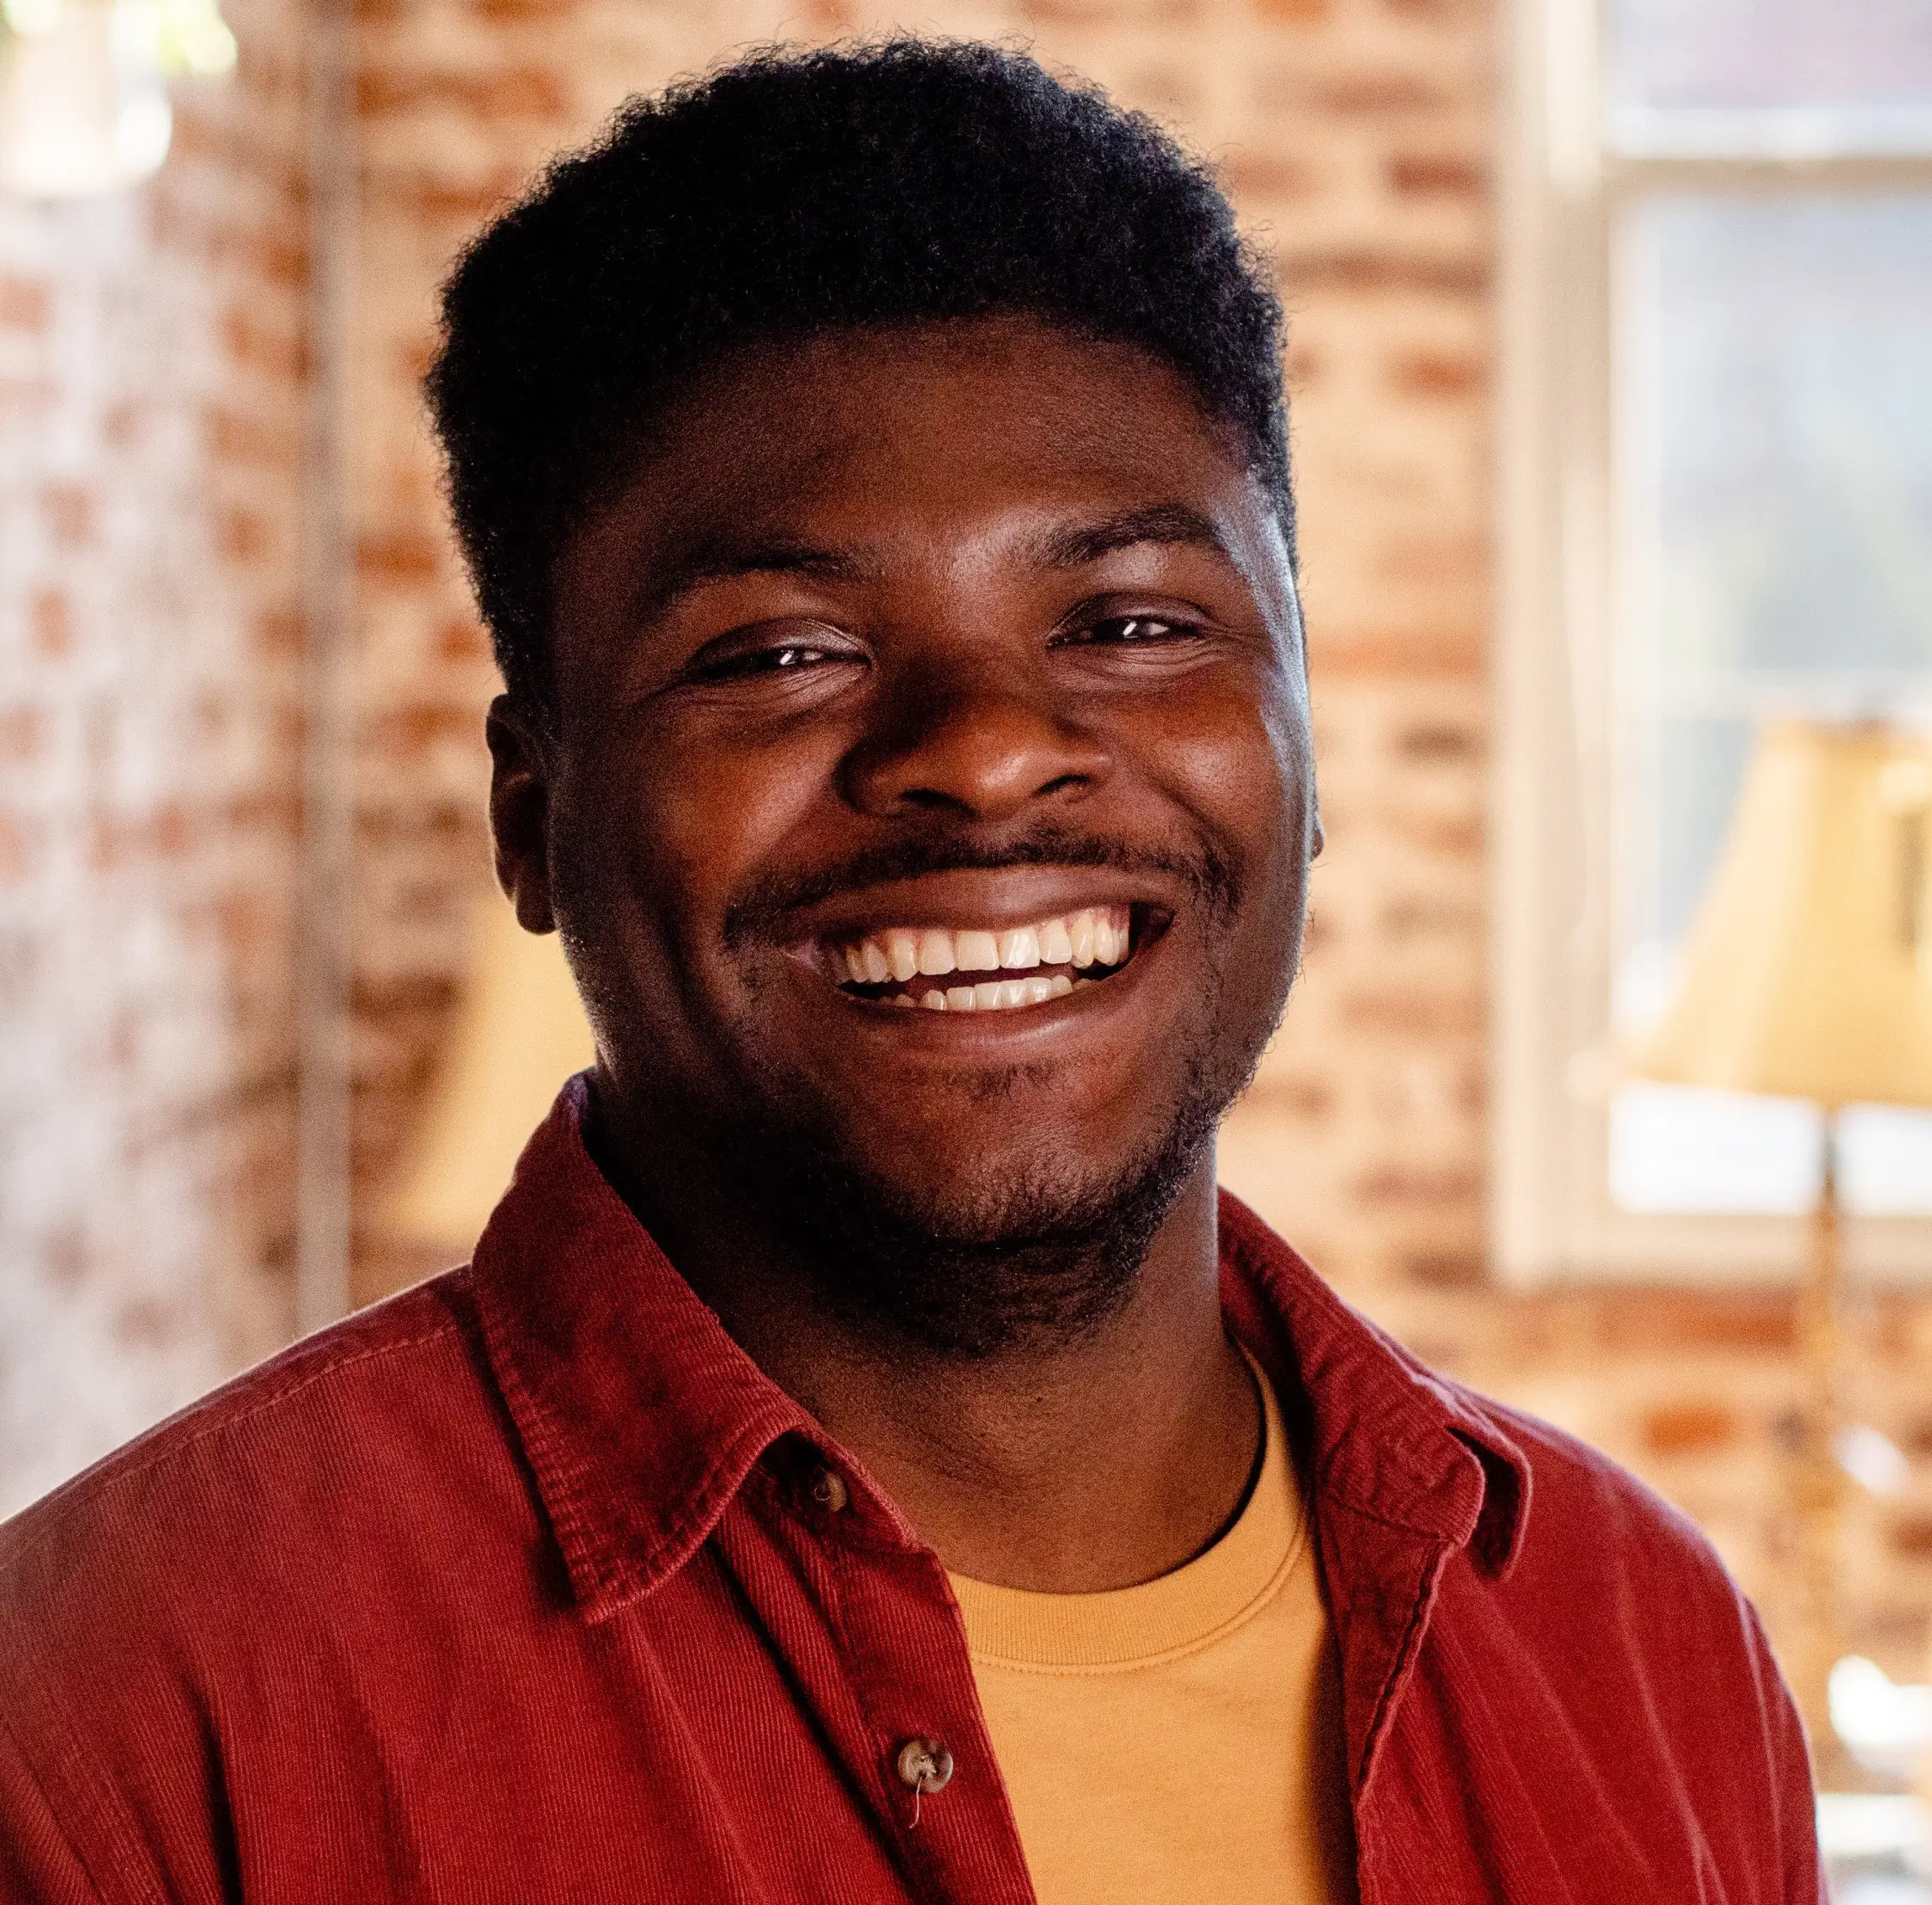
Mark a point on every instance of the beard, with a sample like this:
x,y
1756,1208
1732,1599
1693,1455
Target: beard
x,y
1027,1258
1034,1262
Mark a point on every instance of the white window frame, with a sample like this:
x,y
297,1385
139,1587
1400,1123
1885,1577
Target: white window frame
x,y
1551,1216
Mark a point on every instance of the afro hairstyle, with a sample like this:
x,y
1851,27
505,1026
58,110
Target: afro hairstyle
x,y
906,182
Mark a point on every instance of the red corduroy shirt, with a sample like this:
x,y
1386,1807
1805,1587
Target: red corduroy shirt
x,y
528,1585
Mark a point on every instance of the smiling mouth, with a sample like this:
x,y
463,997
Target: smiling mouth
x,y
969,969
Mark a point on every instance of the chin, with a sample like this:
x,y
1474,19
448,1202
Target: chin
x,y
1028,1249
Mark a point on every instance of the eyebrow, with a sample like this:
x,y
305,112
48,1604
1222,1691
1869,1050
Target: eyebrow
x,y
722,559
1168,523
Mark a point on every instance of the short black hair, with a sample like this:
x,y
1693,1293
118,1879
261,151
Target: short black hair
x,y
904,182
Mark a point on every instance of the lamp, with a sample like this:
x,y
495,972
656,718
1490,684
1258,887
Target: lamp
x,y
83,108
1808,974
519,1032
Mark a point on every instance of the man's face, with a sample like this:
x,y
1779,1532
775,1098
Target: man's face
x,y
931,793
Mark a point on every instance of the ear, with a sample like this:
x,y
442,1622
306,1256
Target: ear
x,y
519,767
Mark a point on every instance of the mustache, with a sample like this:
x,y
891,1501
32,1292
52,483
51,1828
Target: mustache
x,y
761,912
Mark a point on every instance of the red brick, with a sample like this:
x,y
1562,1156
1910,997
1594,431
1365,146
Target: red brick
x,y
69,509
53,622
242,537
1438,175
516,93
280,633
1413,1189
23,735
18,847
1413,1015
1250,174
1370,92
1912,1536
1344,653
464,642
25,303
408,732
1444,1269
1305,1097
1689,1428
1305,271
1439,374
399,558
444,203
277,352
1434,741
1648,1319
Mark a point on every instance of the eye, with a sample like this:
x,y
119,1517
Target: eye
x,y
753,660
1129,630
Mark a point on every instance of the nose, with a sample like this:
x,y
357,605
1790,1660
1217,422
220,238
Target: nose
x,y
973,750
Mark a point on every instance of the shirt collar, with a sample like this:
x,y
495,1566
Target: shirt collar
x,y
641,1419
1385,1435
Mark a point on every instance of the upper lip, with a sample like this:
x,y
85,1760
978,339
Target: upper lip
x,y
993,900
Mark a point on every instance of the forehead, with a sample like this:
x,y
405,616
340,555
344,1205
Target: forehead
x,y
915,441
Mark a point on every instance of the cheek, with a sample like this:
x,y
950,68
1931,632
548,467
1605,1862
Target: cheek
x,y
1236,758
678,822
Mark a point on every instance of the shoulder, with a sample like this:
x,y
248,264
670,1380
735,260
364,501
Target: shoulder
x,y
1610,1586
1586,1518
249,1471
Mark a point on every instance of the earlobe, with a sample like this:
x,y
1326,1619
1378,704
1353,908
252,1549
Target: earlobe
x,y
519,815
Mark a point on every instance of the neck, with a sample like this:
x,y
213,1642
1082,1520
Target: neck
x,y
1060,1467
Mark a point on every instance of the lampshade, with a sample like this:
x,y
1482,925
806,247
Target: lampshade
x,y
1808,971
519,1032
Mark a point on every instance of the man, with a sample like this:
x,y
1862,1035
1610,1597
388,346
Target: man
x,y
864,1462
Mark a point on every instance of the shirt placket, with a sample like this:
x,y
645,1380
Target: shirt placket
x,y
905,1719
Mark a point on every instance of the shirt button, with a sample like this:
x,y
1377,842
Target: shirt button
x,y
925,1765
829,1489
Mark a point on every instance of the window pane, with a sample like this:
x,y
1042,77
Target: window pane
x,y
1776,76
1775,445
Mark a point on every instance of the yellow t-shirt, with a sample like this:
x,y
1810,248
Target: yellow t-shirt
x,y
1179,1741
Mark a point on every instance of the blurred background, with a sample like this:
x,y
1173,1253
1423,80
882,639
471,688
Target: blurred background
x,y
1610,374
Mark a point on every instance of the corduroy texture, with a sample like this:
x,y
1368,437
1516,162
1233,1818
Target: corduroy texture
x,y
517,1588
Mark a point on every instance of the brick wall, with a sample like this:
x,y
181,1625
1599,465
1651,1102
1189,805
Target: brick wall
x,y
149,652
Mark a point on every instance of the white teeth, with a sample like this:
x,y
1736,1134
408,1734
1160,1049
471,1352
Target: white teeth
x,y
1080,930
975,952
1094,936
902,956
993,995
936,953
1019,949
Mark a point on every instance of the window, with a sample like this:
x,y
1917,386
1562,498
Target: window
x,y
1717,505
